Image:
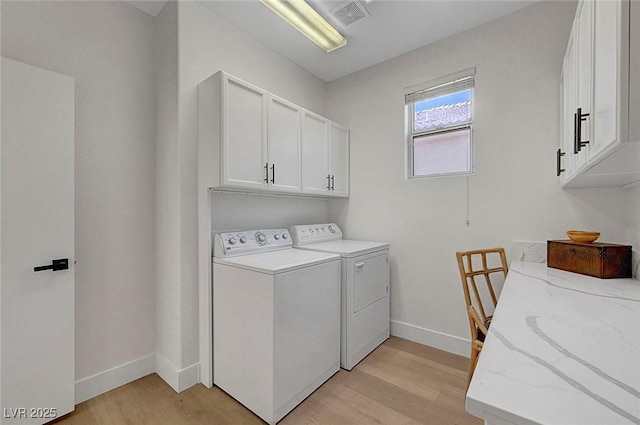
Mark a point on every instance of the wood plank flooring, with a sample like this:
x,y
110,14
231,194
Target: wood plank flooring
x,y
400,383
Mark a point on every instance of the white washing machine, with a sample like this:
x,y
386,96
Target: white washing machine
x,y
276,320
364,313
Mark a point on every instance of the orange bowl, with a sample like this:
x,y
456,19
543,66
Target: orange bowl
x,y
582,236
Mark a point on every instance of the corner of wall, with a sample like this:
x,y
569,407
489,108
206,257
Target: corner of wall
x,y
178,379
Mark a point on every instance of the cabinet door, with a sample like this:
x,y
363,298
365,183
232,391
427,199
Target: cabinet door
x,y
634,71
584,71
339,159
284,145
244,135
315,154
569,100
607,70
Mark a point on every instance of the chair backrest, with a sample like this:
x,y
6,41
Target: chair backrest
x,y
476,266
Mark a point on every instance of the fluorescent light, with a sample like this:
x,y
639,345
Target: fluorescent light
x,y
306,20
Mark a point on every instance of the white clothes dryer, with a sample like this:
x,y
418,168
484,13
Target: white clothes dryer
x,y
276,320
364,313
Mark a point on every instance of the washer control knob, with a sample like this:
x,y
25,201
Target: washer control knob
x,y
243,239
332,229
261,238
276,236
232,241
285,236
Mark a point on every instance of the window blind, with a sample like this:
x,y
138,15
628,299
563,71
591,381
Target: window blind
x,y
446,85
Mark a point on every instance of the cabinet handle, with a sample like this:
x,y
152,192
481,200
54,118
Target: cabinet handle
x,y
333,181
273,173
328,181
576,149
579,118
559,155
266,172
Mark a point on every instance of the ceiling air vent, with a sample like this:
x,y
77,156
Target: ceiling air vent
x,y
350,12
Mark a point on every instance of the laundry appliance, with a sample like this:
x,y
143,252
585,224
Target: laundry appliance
x,y
276,320
364,313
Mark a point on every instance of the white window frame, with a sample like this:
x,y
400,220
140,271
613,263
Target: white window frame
x,y
449,84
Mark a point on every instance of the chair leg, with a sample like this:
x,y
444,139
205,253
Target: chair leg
x,y
473,359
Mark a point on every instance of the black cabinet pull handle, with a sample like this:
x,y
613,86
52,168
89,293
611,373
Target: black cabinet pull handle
x,y
328,181
266,172
333,181
273,173
559,155
61,264
576,149
579,118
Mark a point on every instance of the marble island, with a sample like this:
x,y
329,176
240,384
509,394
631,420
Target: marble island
x,y
563,349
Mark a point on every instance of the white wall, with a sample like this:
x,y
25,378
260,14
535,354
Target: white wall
x,y
168,266
514,193
242,212
107,47
207,44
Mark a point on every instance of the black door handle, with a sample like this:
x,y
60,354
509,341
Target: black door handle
x,y
61,264
579,118
559,155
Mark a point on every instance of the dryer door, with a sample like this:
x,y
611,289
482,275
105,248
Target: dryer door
x,y
371,279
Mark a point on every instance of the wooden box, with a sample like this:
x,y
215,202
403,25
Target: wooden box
x,y
603,260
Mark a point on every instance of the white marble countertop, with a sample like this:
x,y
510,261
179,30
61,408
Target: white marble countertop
x,y
563,349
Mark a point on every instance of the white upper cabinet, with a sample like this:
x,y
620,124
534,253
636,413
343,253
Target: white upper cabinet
x,y
609,122
244,136
604,46
338,160
253,140
584,75
566,159
315,154
325,156
283,149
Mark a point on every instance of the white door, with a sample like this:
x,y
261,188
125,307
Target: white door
x,y
339,159
283,145
315,154
584,63
244,135
569,99
37,226
607,68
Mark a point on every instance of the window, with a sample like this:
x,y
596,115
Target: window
x,y
439,122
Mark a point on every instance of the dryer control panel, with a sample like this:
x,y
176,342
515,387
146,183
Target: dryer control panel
x,y
315,233
231,244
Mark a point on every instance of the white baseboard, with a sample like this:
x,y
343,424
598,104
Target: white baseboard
x,y
439,340
115,377
178,379
181,379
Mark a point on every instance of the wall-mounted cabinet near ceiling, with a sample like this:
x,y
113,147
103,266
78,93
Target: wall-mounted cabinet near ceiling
x,y
256,141
601,96
325,156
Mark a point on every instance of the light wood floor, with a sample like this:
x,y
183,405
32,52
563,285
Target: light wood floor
x,y
400,383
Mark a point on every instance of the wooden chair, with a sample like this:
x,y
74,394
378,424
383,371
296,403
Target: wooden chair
x,y
475,265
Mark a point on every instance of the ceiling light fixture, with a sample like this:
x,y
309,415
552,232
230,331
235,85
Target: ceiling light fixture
x,y
306,20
